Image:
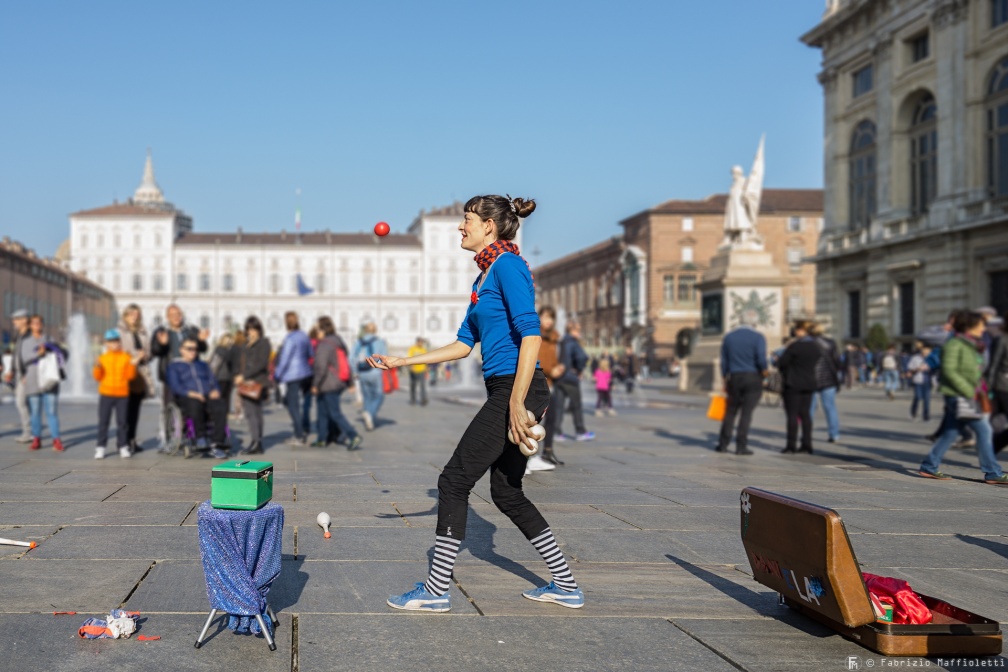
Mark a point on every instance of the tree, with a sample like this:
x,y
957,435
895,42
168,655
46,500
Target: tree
x,y
877,339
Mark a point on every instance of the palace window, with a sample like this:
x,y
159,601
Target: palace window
x,y
182,282
794,259
854,314
862,175
137,282
687,224
794,224
686,255
906,308
320,283
923,155
158,282
668,288
920,47
999,12
204,282
863,80
227,282
687,288
997,131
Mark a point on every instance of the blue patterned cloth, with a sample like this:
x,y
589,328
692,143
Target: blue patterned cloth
x,y
241,559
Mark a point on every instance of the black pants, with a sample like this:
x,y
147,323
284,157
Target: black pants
x,y
417,381
797,404
484,446
572,391
604,398
744,392
133,414
198,412
105,407
549,422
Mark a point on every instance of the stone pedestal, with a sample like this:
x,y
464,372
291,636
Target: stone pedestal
x,y
738,280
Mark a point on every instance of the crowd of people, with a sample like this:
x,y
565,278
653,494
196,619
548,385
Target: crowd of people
x,y
968,362
209,388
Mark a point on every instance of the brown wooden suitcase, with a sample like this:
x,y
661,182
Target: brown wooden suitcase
x,y
802,551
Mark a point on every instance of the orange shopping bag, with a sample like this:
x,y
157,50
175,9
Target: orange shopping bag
x,y
716,408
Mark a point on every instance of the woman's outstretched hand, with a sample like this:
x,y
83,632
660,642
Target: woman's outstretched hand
x,y
385,362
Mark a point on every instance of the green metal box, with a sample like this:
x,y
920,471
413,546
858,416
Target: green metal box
x,y
241,484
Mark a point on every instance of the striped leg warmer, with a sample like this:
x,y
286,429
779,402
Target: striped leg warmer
x,y
554,557
445,551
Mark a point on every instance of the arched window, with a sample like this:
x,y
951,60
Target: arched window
x,y
923,155
862,175
997,131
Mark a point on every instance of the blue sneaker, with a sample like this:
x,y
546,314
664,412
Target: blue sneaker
x,y
587,436
550,593
419,599
562,437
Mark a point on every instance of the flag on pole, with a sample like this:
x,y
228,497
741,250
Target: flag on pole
x,y
302,288
297,219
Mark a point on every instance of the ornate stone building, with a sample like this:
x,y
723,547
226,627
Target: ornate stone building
x,y
639,289
916,161
415,283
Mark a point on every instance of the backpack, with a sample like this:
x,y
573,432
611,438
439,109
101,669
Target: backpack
x,y
342,365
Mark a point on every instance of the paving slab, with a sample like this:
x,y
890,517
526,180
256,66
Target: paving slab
x,y
31,492
928,551
53,645
119,543
95,513
621,590
29,533
471,643
67,585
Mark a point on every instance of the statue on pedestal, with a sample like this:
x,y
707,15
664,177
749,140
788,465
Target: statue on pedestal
x,y
742,208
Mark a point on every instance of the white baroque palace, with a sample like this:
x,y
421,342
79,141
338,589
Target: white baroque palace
x,y
410,284
916,162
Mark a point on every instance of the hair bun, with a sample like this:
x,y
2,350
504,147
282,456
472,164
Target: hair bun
x,y
524,208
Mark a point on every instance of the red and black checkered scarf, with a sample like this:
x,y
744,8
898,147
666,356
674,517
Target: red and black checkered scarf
x,y
490,253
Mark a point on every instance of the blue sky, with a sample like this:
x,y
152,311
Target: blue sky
x,y
378,110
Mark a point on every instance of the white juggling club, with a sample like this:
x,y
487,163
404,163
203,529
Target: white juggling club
x,y
324,522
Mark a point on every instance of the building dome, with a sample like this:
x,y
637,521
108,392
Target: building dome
x,y
148,191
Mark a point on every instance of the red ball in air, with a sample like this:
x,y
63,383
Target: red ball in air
x,y
382,228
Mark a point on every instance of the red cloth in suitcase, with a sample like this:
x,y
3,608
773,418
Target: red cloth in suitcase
x,y
907,607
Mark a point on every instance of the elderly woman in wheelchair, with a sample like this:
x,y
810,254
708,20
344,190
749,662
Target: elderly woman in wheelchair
x,y
202,422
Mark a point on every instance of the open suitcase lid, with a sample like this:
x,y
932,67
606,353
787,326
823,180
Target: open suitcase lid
x,y
802,551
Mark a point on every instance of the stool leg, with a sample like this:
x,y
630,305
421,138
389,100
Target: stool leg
x,y
206,626
266,634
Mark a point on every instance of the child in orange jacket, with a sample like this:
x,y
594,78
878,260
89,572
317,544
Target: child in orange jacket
x,y
114,370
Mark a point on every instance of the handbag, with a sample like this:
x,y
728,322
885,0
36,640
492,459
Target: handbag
x,y
774,382
966,409
48,371
342,370
984,404
249,389
716,408
390,380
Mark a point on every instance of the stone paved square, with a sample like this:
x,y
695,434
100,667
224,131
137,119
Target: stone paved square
x,y
647,514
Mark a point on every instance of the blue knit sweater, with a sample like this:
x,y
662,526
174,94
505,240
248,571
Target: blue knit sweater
x,y
502,316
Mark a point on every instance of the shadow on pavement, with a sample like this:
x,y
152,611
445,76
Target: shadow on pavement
x,y
991,545
479,541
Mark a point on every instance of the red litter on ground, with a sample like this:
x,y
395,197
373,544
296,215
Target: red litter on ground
x,y
382,228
